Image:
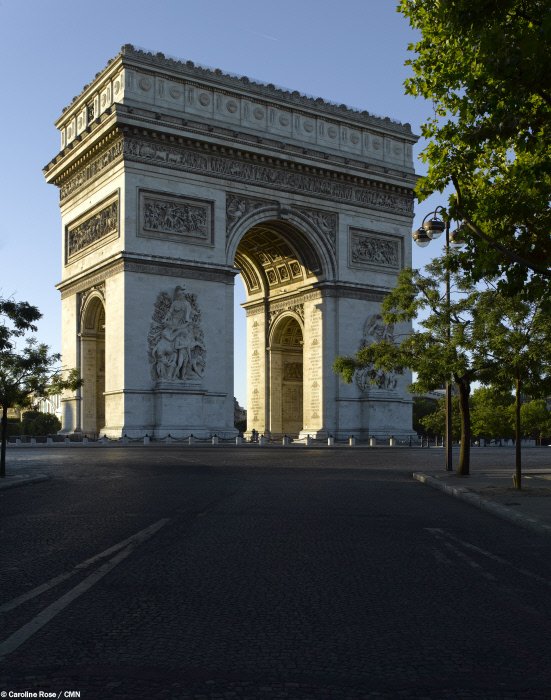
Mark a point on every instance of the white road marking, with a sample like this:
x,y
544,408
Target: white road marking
x,y
21,635
138,537
443,534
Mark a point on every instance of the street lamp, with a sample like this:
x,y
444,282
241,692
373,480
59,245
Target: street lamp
x,y
430,229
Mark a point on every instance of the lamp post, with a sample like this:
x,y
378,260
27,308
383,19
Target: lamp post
x,y
429,230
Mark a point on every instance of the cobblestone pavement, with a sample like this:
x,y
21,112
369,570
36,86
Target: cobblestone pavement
x,y
203,574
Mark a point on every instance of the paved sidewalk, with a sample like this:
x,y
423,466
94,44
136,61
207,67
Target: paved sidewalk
x,y
493,490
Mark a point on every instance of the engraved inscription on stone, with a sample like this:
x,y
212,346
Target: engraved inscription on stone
x,y
367,249
93,229
313,360
255,373
175,218
176,345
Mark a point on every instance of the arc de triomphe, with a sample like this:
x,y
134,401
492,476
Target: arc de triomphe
x,y
173,178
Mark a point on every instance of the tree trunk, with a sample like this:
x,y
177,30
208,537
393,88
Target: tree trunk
x,y
518,435
464,387
4,439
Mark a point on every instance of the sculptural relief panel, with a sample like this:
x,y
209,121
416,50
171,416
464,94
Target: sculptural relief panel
x,y
176,346
370,378
95,228
367,249
174,218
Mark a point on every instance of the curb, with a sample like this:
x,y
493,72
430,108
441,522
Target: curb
x,y
12,481
474,499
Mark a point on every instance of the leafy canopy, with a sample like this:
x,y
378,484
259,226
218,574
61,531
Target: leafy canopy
x,y
485,67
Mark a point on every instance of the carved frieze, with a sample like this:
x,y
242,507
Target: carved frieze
x,y
375,250
176,346
368,378
92,170
97,227
272,176
278,308
175,218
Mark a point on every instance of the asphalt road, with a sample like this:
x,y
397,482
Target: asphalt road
x,y
276,573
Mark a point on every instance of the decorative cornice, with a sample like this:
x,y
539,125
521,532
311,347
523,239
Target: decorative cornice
x,y
152,265
129,55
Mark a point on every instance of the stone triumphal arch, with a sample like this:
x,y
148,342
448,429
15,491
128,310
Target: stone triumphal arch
x,y
173,178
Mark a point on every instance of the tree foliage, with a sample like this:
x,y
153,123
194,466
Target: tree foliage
x,y
492,414
485,67
440,350
475,336
39,423
28,371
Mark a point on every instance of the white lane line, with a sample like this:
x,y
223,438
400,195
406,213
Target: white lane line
x,y
21,635
29,595
436,531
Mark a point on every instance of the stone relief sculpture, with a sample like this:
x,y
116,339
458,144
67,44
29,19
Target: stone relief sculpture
x,y
176,343
170,217
102,224
373,250
238,207
375,330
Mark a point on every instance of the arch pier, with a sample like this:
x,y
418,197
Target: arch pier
x,y
175,178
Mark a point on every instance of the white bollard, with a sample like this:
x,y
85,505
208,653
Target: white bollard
x,y
352,441
215,440
262,441
392,441
238,440
372,442
146,440
285,441
330,441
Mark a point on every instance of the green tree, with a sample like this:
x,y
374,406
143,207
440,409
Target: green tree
x,y
422,406
536,419
27,371
514,334
435,423
491,413
38,423
484,66
440,350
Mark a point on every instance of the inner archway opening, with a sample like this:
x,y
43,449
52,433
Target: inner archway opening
x,y
286,378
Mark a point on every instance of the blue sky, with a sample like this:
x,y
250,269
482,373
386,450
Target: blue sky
x,y
351,52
